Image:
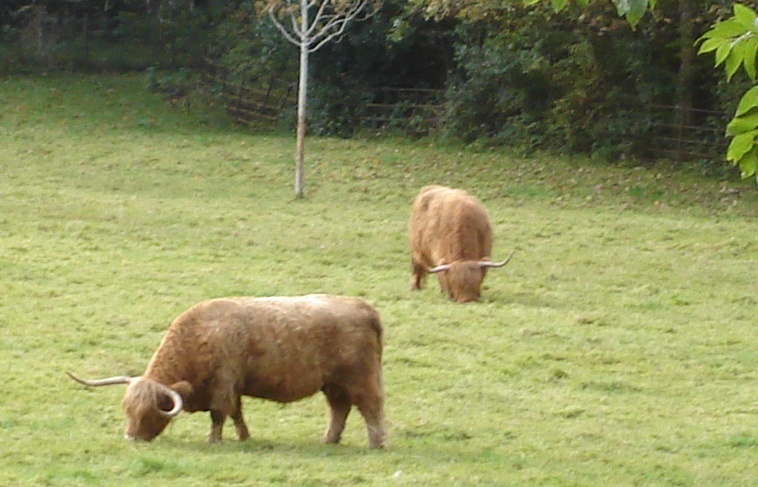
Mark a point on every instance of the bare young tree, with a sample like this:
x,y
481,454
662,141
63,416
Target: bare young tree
x,y
310,24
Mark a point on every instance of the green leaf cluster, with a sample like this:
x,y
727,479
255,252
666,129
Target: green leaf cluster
x,y
743,128
633,10
734,42
557,5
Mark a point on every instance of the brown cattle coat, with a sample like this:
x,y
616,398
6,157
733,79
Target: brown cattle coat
x,y
277,348
449,226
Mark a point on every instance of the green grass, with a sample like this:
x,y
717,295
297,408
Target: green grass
x,y
618,347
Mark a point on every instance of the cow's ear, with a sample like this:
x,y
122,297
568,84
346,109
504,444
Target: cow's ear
x,y
184,388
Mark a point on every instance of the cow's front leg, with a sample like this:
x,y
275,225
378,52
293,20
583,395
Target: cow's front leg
x,y
445,284
217,426
418,275
339,408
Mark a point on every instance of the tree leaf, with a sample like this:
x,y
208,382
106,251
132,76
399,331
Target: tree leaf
x,y
710,45
741,145
749,163
728,29
636,11
740,125
745,16
558,5
733,61
633,10
748,101
723,52
749,53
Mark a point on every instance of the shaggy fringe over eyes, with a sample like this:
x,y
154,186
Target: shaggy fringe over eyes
x,y
142,397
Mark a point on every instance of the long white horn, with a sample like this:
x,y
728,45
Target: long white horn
x,y
176,398
121,379
439,268
486,263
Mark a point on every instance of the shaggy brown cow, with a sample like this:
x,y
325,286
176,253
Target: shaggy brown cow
x,y
450,235
277,348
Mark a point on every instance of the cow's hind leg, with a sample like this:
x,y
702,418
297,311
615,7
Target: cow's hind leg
x,y
370,403
239,422
339,408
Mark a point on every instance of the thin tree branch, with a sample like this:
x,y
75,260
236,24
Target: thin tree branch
x,y
296,27
283,29
318,17
328,22
336,25
319,44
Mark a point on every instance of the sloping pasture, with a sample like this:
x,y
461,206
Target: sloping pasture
x,y
619,347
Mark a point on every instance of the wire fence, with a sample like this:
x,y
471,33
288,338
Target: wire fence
x,y
252,100
414,109
701,139
420,112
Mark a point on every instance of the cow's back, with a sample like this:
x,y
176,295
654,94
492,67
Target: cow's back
x,y
299,345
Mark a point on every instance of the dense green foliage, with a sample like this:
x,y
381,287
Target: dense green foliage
x,y
544,79
617,348
578,79
102,35
735,43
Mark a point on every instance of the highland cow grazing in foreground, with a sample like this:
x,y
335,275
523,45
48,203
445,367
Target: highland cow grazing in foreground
x,y
451,236
277,348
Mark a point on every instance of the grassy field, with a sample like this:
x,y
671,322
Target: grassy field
x,y
618,348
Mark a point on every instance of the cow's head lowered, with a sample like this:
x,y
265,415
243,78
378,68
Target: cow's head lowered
x,y
462,280
149,405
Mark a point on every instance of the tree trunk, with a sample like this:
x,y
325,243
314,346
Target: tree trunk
x,y
302,98
310,33
301,105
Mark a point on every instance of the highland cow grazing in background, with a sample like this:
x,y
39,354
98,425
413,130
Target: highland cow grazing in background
x,y
277,348
450,235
